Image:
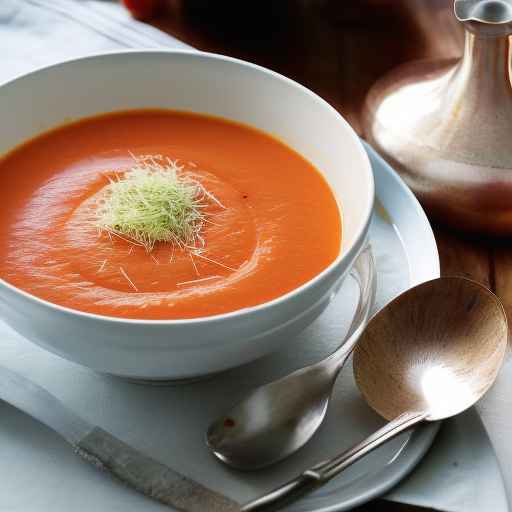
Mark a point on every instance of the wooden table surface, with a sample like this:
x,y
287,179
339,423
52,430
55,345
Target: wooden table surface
x,y
338,48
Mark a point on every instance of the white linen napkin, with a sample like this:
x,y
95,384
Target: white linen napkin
x,y
460,473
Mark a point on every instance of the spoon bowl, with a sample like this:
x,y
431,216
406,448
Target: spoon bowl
x,y
278,418
436,349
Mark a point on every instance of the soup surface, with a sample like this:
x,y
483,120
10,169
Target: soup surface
x,y
278,227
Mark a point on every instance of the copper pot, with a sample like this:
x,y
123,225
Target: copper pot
x,y
446,125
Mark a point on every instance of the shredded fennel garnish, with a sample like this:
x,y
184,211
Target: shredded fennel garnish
x,y
154,201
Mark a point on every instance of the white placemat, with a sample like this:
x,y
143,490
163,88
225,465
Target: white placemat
x,y
460,473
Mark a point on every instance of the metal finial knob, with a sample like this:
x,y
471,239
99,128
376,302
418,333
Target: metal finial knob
x,y
484,11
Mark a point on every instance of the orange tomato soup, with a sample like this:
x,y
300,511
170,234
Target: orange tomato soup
x,y
280,227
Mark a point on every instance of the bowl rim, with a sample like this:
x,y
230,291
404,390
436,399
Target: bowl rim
x,y
351,253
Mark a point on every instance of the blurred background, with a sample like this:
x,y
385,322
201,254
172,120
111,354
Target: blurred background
x,y
338,48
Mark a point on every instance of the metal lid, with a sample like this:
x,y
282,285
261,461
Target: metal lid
x,y
485,11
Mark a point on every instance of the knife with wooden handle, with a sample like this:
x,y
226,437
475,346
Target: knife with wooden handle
x,y
108,453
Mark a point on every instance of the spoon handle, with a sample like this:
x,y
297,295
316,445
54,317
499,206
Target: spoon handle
x,y
364,273
323,472
332,467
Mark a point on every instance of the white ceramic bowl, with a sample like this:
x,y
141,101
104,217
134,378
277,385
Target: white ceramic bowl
x,y
203,83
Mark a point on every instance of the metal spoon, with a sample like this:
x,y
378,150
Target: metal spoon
x,y
430,354
278,418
